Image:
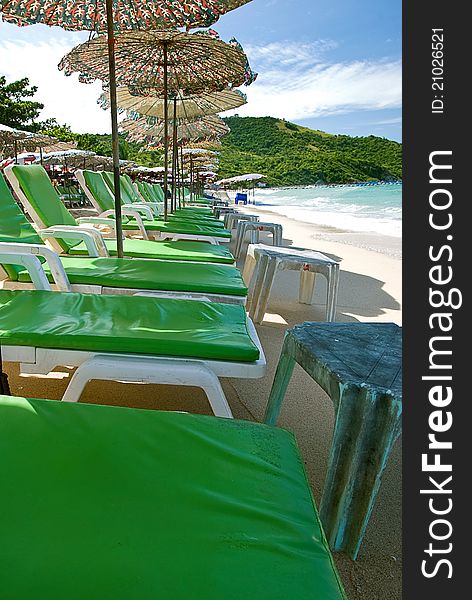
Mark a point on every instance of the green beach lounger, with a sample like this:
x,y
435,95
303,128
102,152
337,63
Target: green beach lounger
x,y
103,201
106,502
133,193
146,192
103,275
39,198
130,339
130,199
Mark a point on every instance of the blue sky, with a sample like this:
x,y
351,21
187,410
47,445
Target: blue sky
x,y
333,65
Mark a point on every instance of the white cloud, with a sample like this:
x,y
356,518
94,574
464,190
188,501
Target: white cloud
x,y
63,97
297,82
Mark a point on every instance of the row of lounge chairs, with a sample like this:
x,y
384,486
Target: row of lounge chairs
x,y
134,503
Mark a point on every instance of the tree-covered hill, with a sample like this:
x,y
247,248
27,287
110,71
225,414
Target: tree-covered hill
x,y
293,155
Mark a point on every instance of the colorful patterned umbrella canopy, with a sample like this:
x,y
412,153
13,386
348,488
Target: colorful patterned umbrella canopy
x,y
127,14
206,128
110,16
198,152
16,140
80,159
163,63
188,107
195,62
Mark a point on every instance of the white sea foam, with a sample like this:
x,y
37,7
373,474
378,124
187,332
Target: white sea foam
x,y
374,209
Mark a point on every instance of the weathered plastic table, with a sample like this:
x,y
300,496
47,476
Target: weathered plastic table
x,y
256,226
232,219
266,261
359,366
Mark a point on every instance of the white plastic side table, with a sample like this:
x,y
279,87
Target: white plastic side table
x,y
263,262
244,226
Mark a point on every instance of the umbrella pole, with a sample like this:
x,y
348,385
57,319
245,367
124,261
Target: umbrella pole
x,y
191,178
179,174
16,152
41,155
174,157
166,140
182,174
114,129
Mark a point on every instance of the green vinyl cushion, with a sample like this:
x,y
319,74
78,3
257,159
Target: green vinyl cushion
x,y
181,226
128,195
136,324
156,192
42,196
187,251
150,275
100,186
14,227
99,190
102,502
200,219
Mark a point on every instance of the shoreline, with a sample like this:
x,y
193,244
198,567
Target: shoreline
x,y
375,242
371,267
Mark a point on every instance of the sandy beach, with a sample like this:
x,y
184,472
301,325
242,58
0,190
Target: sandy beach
x,y
370,290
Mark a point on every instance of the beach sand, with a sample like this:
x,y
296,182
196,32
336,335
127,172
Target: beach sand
x,y
370,290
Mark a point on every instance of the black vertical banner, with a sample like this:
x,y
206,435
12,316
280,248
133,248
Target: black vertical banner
x,y
437,217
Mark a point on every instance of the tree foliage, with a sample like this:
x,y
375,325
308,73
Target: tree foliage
x,y
15,108
293,155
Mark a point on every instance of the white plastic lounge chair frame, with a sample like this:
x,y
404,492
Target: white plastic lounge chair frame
x,y
135,368
27,255
86,232
132,211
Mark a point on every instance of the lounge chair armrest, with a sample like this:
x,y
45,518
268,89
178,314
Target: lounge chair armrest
x,y
27,255
28,251
140,208
92,237
129,213
111,223
157,207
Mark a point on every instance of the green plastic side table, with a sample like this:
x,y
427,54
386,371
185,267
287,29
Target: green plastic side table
x,y
359,367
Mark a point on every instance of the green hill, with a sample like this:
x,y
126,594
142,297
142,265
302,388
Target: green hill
x,y
288,154
293,155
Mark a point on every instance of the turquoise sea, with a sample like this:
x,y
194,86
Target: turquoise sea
x,y
376,208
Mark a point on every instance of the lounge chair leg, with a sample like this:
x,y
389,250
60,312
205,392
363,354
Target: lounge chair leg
x,y
135,369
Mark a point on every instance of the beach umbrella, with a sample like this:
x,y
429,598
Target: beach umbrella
x,y
112,16
198,152
161,63
205,128
79,159
18,139
187,107
241,178
59,146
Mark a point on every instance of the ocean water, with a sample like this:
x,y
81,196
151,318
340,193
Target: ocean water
x,y
375,209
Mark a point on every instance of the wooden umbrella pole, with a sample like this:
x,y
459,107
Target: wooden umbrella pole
x,y
166,124
180,178
182,172
191,178
114,129
174,157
